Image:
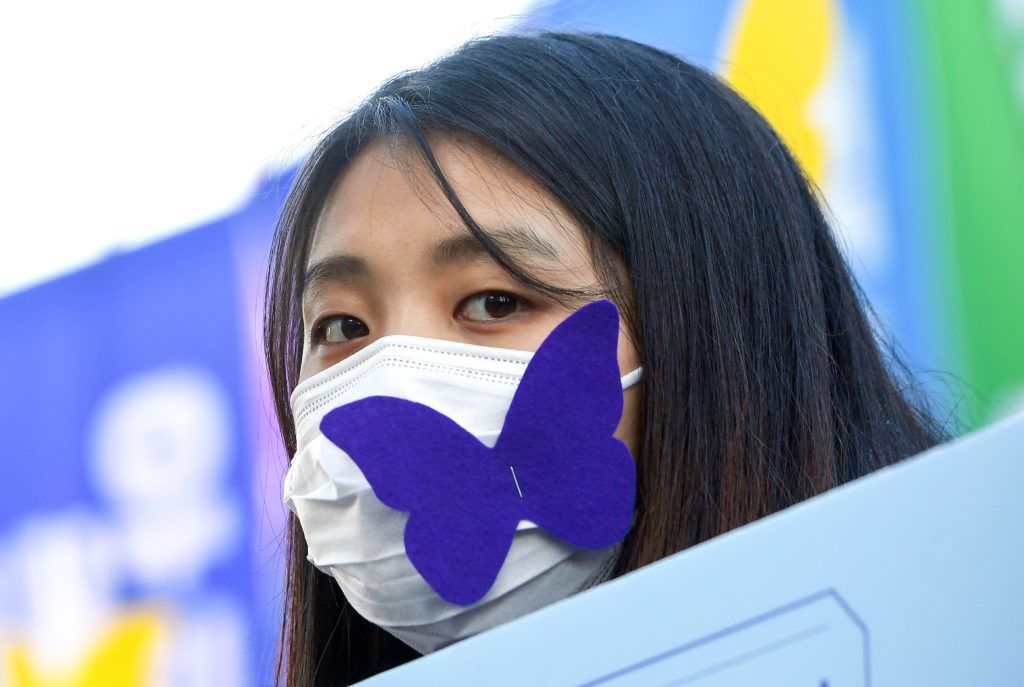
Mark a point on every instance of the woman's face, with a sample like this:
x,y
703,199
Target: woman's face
x,y
391,256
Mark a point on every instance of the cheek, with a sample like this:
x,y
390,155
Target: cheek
x,y
523,333
628,431
308,368
629,358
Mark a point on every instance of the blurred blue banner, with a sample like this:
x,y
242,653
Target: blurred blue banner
x,y
136,539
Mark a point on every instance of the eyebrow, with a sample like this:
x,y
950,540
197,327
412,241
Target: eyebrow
x,y
345,269
336,269
517,241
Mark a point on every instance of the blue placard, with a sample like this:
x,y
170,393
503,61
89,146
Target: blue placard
x,y
910,576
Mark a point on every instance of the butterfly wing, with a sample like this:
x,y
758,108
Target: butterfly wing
x,y
462,507
577,481
459,550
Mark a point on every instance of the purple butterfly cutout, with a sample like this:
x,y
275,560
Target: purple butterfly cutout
x,y
555,463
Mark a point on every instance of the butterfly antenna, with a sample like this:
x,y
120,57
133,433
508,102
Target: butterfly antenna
x,y
516,481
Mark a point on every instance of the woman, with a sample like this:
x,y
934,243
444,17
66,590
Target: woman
x,y
562,169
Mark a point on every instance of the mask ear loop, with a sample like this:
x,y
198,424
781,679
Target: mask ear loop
x,y
631,378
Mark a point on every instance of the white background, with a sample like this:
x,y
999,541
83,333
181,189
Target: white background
x,y
121,123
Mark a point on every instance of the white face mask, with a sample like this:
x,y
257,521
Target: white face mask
x,y
358,540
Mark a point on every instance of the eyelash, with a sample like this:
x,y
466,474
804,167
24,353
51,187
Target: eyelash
x,y
520,305
318,333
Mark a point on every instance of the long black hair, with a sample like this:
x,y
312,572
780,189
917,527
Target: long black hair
x,y
764,383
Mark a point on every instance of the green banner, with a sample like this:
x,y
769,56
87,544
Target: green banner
x,y
977,50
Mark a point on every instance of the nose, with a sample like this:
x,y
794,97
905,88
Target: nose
x,y
419,319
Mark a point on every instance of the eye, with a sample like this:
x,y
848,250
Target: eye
x,y
339,329
489,306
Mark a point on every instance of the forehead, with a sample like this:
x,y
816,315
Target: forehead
x,y
388,199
